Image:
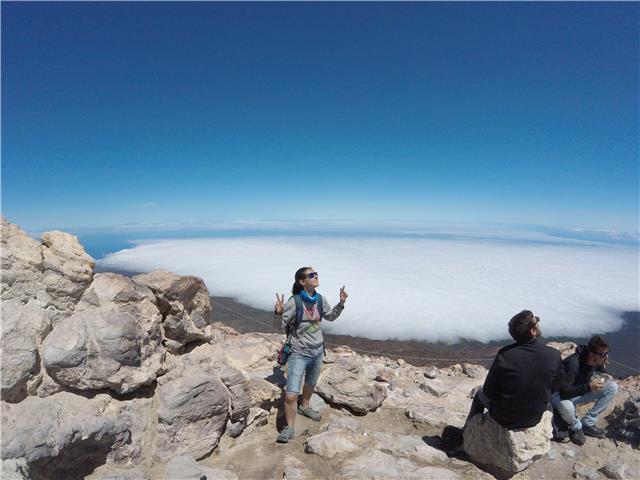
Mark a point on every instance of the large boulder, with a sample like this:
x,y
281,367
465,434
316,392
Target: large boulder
x,y
185,306
489,443
193,409
106,347
54,272
348,384
61,436
24,326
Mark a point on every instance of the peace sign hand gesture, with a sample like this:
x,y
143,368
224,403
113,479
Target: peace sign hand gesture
x,y
343,295
279,306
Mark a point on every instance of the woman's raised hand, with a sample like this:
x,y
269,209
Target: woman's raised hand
x,y
343,295
279,306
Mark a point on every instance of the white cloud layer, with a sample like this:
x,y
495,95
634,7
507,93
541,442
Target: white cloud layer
x,y
408,288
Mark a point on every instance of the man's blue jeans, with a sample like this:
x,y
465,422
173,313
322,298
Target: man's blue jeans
x,y
567,408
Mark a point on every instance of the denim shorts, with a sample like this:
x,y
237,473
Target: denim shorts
x,y
299,365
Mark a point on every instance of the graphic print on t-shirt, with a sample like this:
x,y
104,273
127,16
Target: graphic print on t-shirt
x,y
314,317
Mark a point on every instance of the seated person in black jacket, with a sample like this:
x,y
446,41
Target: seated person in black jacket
x,y
518,386
579,388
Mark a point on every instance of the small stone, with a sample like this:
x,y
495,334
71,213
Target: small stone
x,y
617,470
551,455
584,471
431,372
329,444
401,362
473,371
570,454
385,375
435,388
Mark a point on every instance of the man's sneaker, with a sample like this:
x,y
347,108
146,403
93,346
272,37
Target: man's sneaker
x,y
577,437
285,435
309,412
593,431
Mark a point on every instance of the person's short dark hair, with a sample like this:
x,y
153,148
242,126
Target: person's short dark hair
x,y
597,343
521,324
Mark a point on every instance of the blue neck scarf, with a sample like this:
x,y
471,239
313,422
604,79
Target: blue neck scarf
x,y
305,296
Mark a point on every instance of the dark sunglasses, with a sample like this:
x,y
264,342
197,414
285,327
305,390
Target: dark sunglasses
x,y
312,275
601,354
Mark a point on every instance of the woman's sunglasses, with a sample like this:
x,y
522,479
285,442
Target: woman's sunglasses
x,y
312,275
601,354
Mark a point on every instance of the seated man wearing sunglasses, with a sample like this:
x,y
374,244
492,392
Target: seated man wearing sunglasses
x,y
580,386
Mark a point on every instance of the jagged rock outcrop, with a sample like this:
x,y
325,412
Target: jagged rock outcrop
x,y
489,443
68,269
185,306
54,272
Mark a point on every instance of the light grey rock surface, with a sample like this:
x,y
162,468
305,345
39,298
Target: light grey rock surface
x,y
193,410
185,467
585,472
295,469
376,465
408,446
22,264
347,384
345,423
428,414
23,328
14,469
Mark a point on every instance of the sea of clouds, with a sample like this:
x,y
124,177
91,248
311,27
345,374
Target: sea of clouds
x,y
407,287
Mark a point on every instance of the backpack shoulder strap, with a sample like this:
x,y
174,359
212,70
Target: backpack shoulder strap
x,y
320,304
299,311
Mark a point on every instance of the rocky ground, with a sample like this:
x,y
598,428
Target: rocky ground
x,y
110,377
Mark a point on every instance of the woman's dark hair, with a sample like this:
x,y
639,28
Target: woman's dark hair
x,y
597,343
297,288
521,324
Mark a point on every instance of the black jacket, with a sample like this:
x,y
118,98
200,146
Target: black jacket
x,y
577,374
519,383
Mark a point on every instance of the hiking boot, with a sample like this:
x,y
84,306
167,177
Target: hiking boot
x,y
593,431
577,437
309,413
285,435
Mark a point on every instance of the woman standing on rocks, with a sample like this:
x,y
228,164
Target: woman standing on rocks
x,y
303,313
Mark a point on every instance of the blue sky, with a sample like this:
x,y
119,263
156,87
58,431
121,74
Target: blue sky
x,y
118,113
